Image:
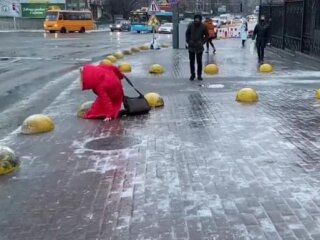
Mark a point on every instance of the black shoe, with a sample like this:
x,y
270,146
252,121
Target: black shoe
x,y
207,51
192,77
214,50
200,78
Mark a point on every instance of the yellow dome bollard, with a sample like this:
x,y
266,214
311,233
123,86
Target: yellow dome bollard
x,y
318,94
37,123
8,160
247,95
144,47
84,108
127,52
154,99
118,55
156,69
106,62
211,69
125,67
266,68
135,50
112,58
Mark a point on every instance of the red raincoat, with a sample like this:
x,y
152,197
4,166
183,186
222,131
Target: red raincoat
x,y
105,82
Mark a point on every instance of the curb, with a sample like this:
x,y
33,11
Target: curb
x,y
42,31
289,53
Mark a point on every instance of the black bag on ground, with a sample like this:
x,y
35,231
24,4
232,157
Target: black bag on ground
x,y
135,105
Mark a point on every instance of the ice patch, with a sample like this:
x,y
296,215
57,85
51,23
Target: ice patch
x,y
128,193
204,213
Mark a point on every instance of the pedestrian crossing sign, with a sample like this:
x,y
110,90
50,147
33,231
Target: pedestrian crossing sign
x,y
154,8
153,21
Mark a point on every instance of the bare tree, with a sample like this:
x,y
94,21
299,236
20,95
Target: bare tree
x,y
184,5
123,7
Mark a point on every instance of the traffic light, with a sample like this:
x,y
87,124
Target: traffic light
x,y
13,6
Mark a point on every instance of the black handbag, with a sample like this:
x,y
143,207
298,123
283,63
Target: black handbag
x,y
135,105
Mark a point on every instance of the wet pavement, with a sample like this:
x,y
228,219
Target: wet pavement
x,y
203,167
35,67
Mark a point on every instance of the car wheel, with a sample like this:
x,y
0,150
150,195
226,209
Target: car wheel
x,y
63,30
52,31
112,30
82,30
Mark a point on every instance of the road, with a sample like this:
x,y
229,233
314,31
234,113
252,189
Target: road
x,y
36,67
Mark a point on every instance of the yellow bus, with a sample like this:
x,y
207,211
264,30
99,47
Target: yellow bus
x,y
68,21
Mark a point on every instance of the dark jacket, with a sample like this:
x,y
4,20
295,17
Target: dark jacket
x,y
261,32
196,36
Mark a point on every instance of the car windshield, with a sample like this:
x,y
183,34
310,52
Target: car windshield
x,y
51,16
167,25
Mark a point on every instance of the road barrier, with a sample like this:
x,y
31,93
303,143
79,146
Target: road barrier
x,y
229,32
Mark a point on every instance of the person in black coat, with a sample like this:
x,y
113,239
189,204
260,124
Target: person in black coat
x,y
261,34
196,36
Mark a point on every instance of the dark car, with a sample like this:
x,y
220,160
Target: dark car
x,y
120,26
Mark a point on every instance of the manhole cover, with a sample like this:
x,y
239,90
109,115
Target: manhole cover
x,y
112,143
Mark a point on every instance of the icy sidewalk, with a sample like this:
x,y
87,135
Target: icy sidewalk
x,y
202,167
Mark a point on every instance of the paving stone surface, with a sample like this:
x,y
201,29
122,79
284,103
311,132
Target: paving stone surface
x,y
204,166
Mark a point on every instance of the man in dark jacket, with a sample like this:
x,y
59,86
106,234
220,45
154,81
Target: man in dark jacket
x,y
261,32
196,36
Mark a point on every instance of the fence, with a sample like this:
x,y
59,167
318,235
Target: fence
x,y
295,25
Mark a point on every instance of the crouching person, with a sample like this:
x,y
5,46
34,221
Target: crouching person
x,y
105,82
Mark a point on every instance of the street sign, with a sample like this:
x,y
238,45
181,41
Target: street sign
x,y
153,21
154,8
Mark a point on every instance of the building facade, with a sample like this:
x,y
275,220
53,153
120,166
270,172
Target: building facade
x,y
38,8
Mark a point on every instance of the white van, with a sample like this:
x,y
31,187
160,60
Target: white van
x,y
225,18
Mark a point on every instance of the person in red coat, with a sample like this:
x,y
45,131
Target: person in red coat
x,y
105,82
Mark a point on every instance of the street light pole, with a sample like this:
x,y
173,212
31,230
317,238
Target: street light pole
x,y
175,32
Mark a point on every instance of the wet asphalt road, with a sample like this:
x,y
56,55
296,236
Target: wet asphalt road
x,y
31,61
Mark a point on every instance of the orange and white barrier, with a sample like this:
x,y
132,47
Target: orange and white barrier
x,y
229,32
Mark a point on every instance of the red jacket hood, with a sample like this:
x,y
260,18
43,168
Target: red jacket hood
x,y
93,76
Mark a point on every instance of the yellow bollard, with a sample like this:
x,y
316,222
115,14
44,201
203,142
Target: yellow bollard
x,y
247,95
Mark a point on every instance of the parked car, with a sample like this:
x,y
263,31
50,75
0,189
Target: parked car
x,y
120,25
252,18
217,21
225,19
166,28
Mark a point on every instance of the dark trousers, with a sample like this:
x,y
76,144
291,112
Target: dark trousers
x,y
192,58
260,48
209,41
243,43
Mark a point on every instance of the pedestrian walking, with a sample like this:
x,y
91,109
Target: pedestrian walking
x,y
244,32
212,33
261,34
196,37
105,82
